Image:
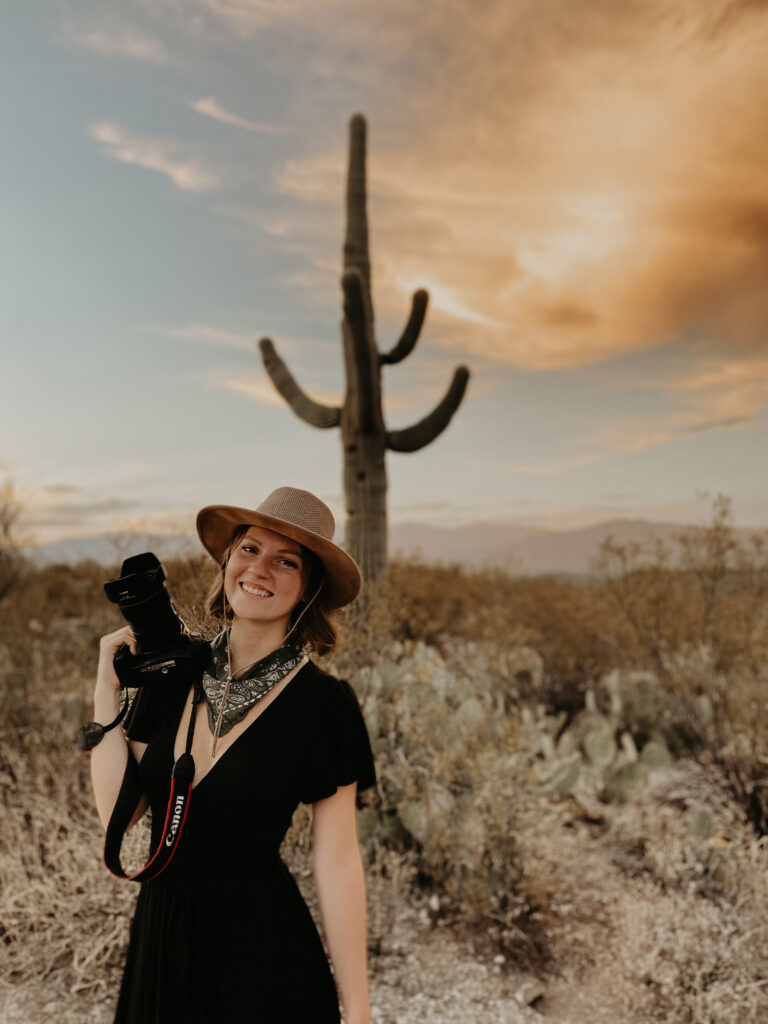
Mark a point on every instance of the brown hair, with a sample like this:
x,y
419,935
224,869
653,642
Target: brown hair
x,y
316,628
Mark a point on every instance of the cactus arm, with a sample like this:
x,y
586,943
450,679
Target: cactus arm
x,y
411,439
410,335
356,327
306,408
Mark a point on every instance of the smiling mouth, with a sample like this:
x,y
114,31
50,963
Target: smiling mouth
x,y
255,591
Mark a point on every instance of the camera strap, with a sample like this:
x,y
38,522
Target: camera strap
x,y
131,791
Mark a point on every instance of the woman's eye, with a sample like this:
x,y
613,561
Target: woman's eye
x,y
289,563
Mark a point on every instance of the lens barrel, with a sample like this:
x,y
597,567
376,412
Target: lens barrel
x,y
141,596
167,659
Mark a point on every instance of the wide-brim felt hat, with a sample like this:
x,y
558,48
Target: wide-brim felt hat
x,y
293,513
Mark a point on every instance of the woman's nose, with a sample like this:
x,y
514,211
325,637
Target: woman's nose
x,y
260,565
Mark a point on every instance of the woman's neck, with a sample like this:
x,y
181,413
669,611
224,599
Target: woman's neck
x,y
249,642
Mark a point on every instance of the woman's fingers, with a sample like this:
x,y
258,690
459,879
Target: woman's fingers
x,y
109,645
123,637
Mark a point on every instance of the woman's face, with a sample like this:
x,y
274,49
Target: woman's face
x,y
265,576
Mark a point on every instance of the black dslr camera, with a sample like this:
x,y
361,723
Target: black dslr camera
x,y
167,661
166,655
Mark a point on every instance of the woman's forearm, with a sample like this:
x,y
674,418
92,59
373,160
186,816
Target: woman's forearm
x,y
341,890
110,756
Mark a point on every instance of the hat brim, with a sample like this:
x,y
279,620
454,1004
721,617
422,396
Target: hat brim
x,y
216,525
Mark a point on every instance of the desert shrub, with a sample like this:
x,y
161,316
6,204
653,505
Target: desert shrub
x,y
656,905
390,873
698,951
694,965
12,562
564,622
703,590
188,580
452,769
694,611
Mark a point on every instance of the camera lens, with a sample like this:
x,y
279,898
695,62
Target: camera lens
x,y
145,603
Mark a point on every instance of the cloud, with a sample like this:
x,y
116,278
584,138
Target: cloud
x,y
60,490
72,513
413,401
262,390
210,108
725,393
218,336
120,41
244,340
585,180
316,179
571,182
152,154
551,466
93,505
50,511
715,394
248,18
178,521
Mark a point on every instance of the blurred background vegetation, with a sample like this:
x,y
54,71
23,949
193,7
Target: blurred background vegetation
x,y
573,772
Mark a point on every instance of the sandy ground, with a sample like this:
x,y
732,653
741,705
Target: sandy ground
x,y
428,976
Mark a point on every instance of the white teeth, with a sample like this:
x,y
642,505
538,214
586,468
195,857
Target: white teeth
x,y
255,591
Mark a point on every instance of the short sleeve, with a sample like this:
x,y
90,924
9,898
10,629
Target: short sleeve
x,y
339,751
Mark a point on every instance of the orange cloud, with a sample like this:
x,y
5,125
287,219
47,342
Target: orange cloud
x,y
579,180
726,392
715,394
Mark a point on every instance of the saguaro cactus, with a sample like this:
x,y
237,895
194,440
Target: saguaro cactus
x,y
365,437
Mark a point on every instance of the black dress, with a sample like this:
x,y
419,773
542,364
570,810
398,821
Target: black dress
x,y
223,935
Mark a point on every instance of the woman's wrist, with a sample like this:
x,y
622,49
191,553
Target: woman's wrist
x,y
358,1010
359,1017
107,692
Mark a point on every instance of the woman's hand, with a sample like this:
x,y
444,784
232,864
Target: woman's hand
x,y
107,683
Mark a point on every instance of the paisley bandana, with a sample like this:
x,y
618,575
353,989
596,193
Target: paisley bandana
x,y
247,690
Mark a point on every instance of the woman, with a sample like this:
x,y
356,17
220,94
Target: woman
x,y
222,934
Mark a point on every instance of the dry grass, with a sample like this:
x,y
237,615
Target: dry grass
x,y
62,918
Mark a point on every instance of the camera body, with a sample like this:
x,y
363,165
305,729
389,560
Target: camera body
x,y
167,658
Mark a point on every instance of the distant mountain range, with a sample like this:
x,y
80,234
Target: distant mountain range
x,y
108,548
517,549
520,549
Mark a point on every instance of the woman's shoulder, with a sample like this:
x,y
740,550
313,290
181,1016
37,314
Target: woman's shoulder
x,y
323,685
319,679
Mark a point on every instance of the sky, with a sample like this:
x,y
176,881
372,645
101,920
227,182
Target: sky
x,y
580,185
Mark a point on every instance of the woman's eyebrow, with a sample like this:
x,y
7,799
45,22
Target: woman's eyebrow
x,y
290,551
281,551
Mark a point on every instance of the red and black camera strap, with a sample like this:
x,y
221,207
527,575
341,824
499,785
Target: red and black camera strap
x,y
131,791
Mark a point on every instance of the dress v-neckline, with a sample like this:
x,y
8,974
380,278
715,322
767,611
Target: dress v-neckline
x,y
236,740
